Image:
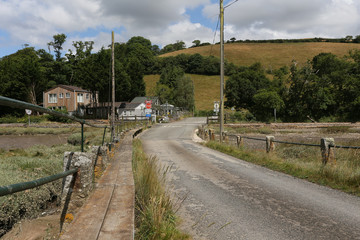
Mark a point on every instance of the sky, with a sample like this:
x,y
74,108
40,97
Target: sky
x,y
35,22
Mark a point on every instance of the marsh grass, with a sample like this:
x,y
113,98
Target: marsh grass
x,y
305,162
37,130
155,217
23,165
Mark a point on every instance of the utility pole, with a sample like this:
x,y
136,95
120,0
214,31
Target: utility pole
x,y
221,68
113,87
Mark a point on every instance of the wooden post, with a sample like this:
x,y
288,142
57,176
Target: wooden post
x,y
270,145
239,141
113,87
327,150
225,137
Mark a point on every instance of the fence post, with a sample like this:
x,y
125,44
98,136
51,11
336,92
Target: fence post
x,y
239,141
225,137
84,180
212,134
270,145
327,151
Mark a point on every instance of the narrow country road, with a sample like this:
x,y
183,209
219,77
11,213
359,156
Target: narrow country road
x,y
226,198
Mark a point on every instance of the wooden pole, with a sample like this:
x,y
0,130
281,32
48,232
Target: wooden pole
x,y
221,68
113,87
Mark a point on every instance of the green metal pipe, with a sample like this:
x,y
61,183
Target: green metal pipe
x,y
5,190
25,105
103,137
82,137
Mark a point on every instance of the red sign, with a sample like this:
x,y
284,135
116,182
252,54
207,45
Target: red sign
x,y
148,104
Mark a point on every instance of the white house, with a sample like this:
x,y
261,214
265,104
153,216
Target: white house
x,y
131,110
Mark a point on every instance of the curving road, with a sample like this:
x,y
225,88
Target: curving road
x,y
227,198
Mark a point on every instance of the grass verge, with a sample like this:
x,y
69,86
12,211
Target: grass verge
x,y
304,162
155,218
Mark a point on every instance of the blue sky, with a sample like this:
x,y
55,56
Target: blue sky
x,y
34,22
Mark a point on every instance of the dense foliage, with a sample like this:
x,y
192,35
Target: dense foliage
x,y
26,74
328,87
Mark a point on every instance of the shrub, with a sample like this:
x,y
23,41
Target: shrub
x,y
54,118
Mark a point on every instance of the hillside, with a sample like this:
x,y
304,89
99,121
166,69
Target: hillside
x,y
271,55
207,89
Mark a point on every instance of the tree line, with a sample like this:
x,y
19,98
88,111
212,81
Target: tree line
x,y
26,74
326,88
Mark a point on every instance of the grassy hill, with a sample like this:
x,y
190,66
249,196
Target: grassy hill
x,y
270,55
207,89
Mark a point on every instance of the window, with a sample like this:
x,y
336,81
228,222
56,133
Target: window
x,y
52,98
87,96
67,95
80,97
61,95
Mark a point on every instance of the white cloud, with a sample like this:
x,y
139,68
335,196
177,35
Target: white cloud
x,y
166,21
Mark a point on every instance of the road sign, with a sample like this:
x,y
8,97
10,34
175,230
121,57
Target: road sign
x,y
148,104
28,111
148,111
216,106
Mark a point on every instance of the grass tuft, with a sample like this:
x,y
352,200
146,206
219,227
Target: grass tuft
x,y
155,218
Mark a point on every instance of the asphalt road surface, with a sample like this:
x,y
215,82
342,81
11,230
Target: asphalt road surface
x,y
221,197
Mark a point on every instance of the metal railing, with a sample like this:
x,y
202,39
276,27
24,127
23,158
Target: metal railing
x,y
18,187
5,190
24,105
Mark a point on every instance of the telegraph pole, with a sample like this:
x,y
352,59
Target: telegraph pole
x,y
113,87
221,68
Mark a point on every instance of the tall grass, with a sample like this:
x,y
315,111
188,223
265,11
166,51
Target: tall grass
x,y
305,162
155,218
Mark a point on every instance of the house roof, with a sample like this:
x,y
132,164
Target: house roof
x,y
68,87
143,99
132,105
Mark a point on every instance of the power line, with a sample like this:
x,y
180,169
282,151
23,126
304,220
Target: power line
x,y
217,26
231,4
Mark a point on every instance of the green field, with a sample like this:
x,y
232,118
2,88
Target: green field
x,y
271,55
207,89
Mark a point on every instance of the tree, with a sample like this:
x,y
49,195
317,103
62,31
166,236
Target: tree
x,y
142,53
243,85
22,77
196,43
59,40
265,102
136,73
169,76
140,40
184,93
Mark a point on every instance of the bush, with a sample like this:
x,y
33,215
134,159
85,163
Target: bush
x,y
54,118
74,139
24,119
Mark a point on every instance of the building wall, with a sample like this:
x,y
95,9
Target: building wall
x,y
70,103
